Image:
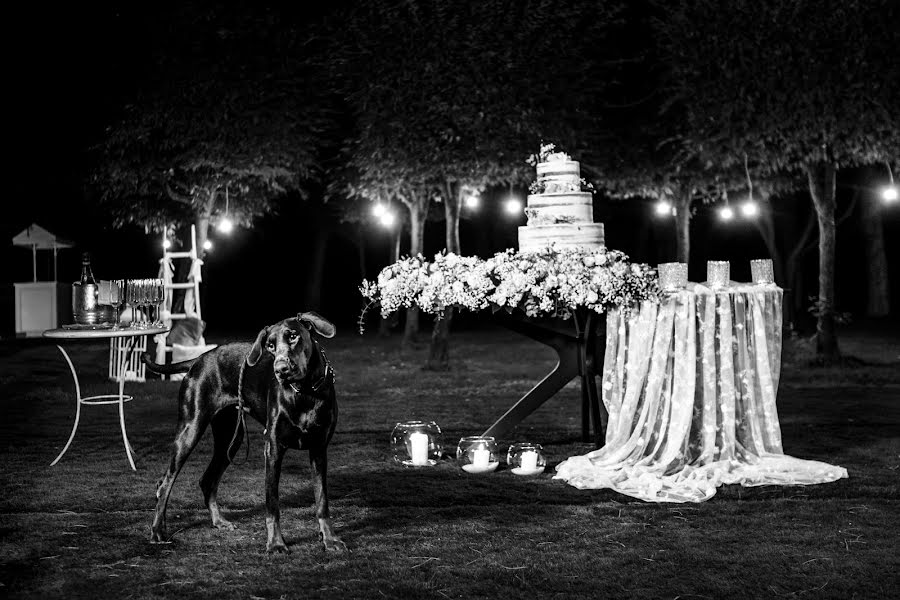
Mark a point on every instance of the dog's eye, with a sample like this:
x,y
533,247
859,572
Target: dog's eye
x,y
292,336
270,346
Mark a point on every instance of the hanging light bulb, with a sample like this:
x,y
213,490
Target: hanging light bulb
x,y
664,208
387,219
225,225
750,209
379,210
166,244
207,245
726,213
890,194
513,206
472,201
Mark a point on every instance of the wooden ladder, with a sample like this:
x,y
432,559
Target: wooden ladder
x,y
166,273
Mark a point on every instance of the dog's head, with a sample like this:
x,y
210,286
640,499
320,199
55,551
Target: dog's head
x,y
291,343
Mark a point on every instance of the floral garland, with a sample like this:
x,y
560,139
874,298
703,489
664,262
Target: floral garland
x,y
550,282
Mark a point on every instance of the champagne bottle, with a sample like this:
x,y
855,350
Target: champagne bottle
x,y
84,295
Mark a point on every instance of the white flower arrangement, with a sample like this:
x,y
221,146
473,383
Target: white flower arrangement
x,y
552,282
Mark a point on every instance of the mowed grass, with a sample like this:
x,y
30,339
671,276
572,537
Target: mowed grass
x,y
81,528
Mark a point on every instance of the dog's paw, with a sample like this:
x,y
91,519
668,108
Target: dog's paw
x,y
221,523
277,548
335,545
158,537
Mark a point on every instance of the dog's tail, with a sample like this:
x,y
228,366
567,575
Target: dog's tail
x,y
179,367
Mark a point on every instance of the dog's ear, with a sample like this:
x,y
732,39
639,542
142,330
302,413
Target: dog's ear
x,y
256,349
321,325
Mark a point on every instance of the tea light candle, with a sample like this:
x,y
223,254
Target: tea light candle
x,y
762,270
529,460
476,454
418,448
718,273
481,462
672,276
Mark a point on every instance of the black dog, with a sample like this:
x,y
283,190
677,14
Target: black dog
x,y
285,382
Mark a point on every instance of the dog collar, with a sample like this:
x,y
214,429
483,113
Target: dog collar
x,y
329,372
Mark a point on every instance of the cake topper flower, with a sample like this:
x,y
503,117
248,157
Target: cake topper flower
x,y
547,153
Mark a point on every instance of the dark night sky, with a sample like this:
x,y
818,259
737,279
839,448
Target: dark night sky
x,y
72,68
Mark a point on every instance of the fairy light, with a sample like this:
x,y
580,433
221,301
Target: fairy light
x,y
749,209
513,206
225,225
664,208
387,219
890,193
379,210
726,213
472,202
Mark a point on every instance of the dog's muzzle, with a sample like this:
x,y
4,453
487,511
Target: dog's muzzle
x,y
285,369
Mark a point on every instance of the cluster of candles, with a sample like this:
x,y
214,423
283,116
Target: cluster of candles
x,y
420,444
673,276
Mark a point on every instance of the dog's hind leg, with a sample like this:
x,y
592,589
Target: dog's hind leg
x,y
318,463
189,434
228,436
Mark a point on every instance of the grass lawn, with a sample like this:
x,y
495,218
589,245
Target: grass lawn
x,y
81,528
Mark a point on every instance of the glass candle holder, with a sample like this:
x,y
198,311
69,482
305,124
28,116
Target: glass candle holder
x,y
762,270
718,273
673,276
477,454
526,459
417,443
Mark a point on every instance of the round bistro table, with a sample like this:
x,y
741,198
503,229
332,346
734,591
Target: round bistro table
x,y
120,398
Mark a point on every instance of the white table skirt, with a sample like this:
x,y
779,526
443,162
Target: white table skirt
x,y
690,387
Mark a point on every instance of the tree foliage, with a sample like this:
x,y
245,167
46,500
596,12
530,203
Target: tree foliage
x,y
228,109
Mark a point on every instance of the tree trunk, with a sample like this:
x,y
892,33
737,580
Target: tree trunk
x,y
313,292
418,211
385,325
439,349
683,225
878,297
821,177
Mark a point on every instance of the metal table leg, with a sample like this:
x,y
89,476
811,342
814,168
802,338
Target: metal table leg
x,y
120,399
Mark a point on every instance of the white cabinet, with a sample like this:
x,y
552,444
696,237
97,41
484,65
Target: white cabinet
x,y
42,305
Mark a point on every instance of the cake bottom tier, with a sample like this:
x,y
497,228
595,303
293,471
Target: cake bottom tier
x,y
586,236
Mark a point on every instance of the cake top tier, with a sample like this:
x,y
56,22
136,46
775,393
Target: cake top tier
x,y
564,166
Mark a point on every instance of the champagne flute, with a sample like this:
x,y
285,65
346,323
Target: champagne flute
x,y
115,299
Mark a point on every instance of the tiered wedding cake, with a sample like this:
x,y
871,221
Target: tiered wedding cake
x,y
558,211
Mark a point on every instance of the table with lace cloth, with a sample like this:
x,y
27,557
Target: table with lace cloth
x,y
690,386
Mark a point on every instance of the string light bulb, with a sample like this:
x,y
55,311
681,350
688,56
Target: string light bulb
x,y
513,206
379,210
225,225
472,201
664,208
166,244
750,209
890,194
726,213
387,218
207,245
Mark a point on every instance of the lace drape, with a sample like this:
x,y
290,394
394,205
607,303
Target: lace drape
x,y
690,387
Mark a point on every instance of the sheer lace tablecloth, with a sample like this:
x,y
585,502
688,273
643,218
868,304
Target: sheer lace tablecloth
x,y
690,386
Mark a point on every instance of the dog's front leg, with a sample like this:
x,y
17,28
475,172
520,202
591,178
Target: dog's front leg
x,y
318,462
274,455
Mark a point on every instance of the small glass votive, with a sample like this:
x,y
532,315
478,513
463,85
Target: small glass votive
x,y
718,273
762,270
477,454
526,459
417,443
673,276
